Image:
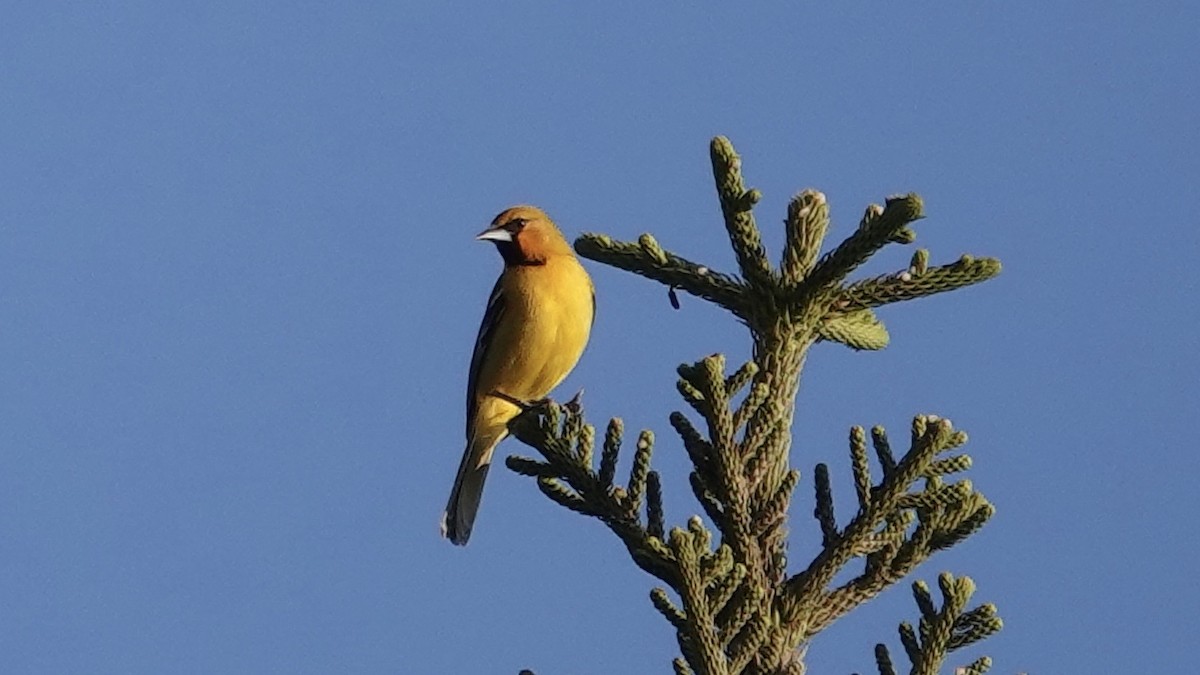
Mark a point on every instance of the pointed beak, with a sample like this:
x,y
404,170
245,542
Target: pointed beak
x,y
495,235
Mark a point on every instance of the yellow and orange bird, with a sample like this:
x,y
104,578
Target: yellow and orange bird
x,y
535,328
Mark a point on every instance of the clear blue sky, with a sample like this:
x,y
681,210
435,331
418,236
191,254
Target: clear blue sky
x,y
238,294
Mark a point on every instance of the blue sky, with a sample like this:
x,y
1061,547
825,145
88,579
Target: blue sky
x,y
238,294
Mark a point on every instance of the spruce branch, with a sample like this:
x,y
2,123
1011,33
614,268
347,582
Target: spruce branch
x,y
977,667
918,282
806,224
880,225
920,262
674,615
884,661
655,524
824,509
698,631
566,479
612,446
943,630
879,532
883,450
858,329
675,272
736,204
728,592
759,393
741,377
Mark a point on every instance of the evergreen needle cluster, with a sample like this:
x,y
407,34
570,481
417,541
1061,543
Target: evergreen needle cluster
x,y
736,604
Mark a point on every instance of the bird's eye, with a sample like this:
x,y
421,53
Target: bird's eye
x,y
516,224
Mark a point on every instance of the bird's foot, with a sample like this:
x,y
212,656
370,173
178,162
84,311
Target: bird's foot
x,y
573,405
525,406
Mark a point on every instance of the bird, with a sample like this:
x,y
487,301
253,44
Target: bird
x,y
537,323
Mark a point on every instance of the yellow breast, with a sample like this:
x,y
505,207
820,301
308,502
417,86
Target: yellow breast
x,y
548,313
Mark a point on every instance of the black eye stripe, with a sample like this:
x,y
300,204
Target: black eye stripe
x,y
516,224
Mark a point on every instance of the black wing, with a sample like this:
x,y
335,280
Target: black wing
x,y
487,331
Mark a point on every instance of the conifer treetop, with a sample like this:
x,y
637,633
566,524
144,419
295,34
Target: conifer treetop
x,y
736,604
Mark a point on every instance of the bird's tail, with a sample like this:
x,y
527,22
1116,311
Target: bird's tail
x,y
468,490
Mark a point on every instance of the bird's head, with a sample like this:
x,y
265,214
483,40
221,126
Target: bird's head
x,y
525,235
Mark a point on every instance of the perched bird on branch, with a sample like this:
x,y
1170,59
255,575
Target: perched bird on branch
x,y
535,328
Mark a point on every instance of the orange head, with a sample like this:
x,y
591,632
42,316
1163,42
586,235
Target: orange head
x,y
525,235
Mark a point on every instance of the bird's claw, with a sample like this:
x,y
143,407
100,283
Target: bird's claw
x,y
575,405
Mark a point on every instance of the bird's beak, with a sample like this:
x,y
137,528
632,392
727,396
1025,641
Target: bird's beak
x,y
495,235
